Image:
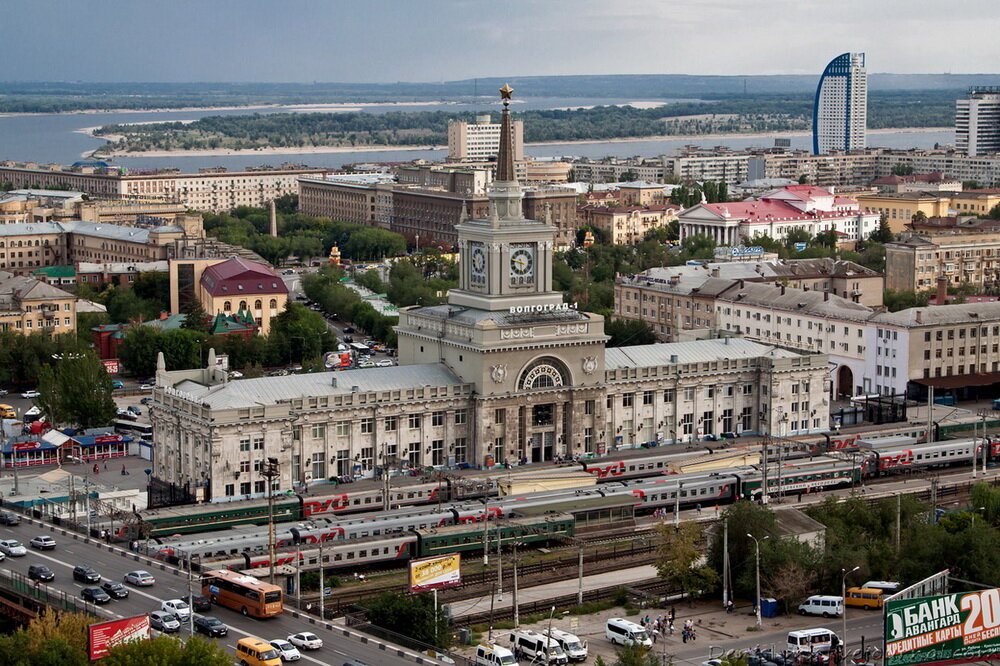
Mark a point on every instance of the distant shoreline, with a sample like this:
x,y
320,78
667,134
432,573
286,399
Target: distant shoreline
x,y
317,107
312,150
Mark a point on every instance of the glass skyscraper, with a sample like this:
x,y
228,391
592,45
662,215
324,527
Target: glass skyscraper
x,y
840,112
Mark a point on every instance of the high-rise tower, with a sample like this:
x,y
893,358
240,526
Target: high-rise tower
x,y
977,122
840,111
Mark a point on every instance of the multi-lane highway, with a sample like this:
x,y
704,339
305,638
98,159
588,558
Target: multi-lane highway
x,y
340,644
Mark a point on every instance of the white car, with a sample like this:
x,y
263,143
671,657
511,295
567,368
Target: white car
x,y
236,374
28,395
286,650
385,363
306,640
43,543
13,548
178,608
147,387
140,578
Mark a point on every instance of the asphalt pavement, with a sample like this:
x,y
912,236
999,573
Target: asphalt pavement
x,y
339,643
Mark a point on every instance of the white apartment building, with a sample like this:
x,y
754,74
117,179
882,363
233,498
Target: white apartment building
x,y
840,111
977,122
480,141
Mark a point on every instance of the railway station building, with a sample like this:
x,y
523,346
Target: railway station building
x,y
505,371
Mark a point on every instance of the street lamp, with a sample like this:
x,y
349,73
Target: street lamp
x,y
269,470
757,605
677,505
977,509
843,615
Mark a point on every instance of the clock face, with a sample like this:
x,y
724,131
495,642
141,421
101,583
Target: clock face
x,y
522,265
477,264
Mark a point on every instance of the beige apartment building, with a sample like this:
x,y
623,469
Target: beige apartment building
x,y
627,225
961,257
29,306
480,141
975,202
899,208
214,190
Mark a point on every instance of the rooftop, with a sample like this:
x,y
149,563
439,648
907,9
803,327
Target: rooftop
x,y
695,351
822,304
238,276
939,315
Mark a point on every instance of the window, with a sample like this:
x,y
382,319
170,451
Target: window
x,y
390,423
461,416
627,399
414,454
319,431
588,440
245,488
710,392
414,422
687,424
669,395
367,426
747,389
500,415
689,393
437,452
230,489
647,397
244,466
318,465
437,419
343,428
245,444
461,449
274,304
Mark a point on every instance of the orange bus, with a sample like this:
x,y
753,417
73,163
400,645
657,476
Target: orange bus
x,y
243,593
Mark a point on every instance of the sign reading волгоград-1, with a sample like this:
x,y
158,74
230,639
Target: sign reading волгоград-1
x,y
946,629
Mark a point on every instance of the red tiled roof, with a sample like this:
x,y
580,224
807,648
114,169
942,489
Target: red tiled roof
x,y
933,177
807,191
237,276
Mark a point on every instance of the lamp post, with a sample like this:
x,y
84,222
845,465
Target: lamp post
x,y
757,605
843,616
677,506
974,511
269,470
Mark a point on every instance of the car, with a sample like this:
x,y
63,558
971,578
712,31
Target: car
x,y
126,415
286,650
147,387
178,608
95,595
86,574
384,363
288,271
40,572
43,543
349,329
2,557
236,374
12,548
306,640
29,395
145,401
210,626
366,364
115,589
164,621
200,603
139,578
3,391
9,518
117,384
133,409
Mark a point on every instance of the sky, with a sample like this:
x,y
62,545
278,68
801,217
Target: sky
x,y
443,40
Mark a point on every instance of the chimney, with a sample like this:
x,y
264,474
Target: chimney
x,y
919,316
334,382
274,219
782,290
941,298
164,314
826,295
715,272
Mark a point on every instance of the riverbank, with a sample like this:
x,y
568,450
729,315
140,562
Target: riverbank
x,y
309,150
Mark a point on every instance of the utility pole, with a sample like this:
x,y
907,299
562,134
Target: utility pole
x,y
517,620
725,563
298,579
843,616
579,590
269,470
763,488
899,517
757,604
86,490
322,584
190,599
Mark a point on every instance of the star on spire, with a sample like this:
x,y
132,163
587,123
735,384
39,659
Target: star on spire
x,y
505,93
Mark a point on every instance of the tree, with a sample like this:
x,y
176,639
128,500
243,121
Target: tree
x,y
902,170
789,570
69,628
626,332
153,286
195,317
797,235
411,615
743,517
883,234
287,204
677,555
994,213
803,179
138,350
636,655
901,300
298,334
196,651
918,217
77,391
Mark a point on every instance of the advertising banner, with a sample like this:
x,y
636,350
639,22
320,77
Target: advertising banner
x,y
105,635
434,573
111,366
944,629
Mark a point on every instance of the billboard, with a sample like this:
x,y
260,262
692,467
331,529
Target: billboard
x,y
105,635
944,629
111,366
433,573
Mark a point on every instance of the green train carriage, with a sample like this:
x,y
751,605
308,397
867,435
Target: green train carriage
x,y
470,536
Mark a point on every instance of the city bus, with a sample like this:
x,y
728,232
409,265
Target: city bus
x,y
144,430
242,593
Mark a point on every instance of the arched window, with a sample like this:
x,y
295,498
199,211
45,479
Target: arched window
x,y
227,306
257,305
274,304
243,305
543,381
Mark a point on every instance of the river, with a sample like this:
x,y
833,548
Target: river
x,y
57,138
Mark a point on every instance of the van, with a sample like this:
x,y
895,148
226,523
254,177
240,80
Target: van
x,y
810,641
575,649
624,632
820,604
494,655
887,586
256,652
864,597
7,412
536,648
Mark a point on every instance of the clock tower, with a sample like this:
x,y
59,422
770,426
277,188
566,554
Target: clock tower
x,y
535,363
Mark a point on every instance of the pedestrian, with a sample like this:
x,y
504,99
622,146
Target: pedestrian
x,y
105,465
97,470
124,471
716,510
673,614
670,627
684,635
730,607
697,507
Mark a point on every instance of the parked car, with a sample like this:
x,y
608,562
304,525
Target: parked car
x,y
29,395
40,572
210,626
288,271
147,387
117,384
9,518
384,363
306,640
12,548
3,391
135,410
139,578
178,608
236,374
43,543
164,621
286,650
349,329
115,589
200,603
95,595
126,415
145,401
85,574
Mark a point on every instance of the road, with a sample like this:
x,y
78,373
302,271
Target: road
x,y
112,563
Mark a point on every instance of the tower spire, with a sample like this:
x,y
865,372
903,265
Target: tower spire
x,y
505,156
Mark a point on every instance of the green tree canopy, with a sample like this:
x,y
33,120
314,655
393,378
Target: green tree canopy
x,y
77,391
411,615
